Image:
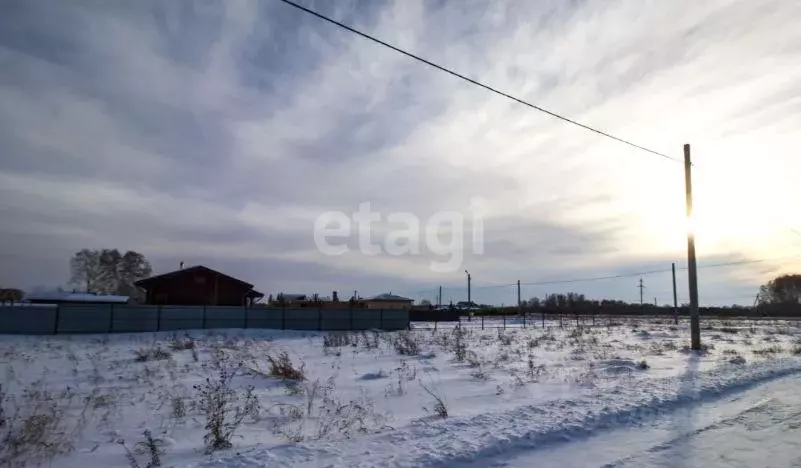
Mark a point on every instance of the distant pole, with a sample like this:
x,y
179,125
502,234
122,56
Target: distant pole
x,y
675,298
519,302
439,300
469,300
642,287
657,305
695,323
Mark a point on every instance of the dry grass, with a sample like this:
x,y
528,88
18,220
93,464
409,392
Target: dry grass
x,y
282,367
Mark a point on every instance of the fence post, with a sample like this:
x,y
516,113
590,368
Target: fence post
x,y
203,318
543,318
111,319
158,320
58,317
504,321
436,319
524,320
482,321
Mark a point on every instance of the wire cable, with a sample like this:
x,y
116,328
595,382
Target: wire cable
x,y
475,82
616,276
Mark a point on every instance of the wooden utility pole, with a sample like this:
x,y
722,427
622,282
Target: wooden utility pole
x,y
695,323
519,302
469,300
642,287
675,297
439,298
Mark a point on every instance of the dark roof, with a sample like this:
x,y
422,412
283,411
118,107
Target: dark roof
x,y
389,298
292,297
254,293
143,283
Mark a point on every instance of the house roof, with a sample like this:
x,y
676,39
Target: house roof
x,y
389,297
66,296
293,297
145,282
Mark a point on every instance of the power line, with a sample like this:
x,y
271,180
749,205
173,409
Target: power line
x,y
620,275
475,82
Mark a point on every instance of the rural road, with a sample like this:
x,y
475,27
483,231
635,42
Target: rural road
x,y
759,427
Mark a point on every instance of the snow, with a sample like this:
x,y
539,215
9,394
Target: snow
x,y
65,296
617,394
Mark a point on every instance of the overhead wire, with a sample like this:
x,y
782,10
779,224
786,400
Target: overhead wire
x,y
476,82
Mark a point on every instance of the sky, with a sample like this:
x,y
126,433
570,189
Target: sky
x,y
219,133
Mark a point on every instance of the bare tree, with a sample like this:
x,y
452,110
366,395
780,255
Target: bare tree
x,y
107,271
133,267
85,270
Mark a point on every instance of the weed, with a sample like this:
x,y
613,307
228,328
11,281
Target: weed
x,y
156,353
337,340
178,407
151,447
406,344
504,339
480,374
178,344
730,330
224,407
439,409
459,344
282,367
739,360
33,426
770,350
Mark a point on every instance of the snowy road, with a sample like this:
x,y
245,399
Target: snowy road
x,y
759,427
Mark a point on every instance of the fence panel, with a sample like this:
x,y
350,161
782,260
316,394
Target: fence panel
x,y
259,317
79,318
366,319
302,319
134,319
27,320
181,318
225,317
336,319
394,319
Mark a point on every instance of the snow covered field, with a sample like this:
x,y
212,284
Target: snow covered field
x,y
629,394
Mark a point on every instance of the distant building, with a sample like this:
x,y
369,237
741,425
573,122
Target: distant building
x,y
198,285
388,301
66,297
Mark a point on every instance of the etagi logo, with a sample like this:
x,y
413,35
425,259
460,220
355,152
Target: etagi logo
x,y
447,225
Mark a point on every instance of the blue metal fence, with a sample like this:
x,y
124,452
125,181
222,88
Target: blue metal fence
x,y
112,318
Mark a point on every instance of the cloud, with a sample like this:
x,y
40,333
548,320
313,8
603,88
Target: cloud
x,y
216,132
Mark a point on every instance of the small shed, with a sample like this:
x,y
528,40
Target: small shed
x,y
388,301
198,285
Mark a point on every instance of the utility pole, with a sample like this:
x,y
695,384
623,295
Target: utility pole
x,y
439,298
675,297
642,288
469,300
519,303
695,323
